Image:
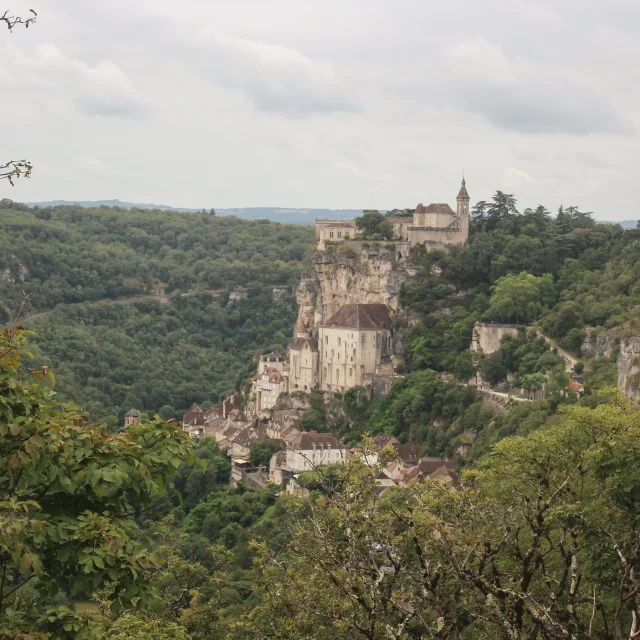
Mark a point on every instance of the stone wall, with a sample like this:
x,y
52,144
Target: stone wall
x,y
487,337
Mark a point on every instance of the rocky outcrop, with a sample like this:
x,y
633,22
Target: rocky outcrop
x,y
600,345
306,294
629,367
352,273
625,351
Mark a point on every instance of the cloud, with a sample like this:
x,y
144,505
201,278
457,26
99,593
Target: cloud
x,y
99,90
94,166
518,95
276,78
517,177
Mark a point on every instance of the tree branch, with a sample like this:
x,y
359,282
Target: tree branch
x,y
12,21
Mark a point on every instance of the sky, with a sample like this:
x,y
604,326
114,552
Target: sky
x,y
337,104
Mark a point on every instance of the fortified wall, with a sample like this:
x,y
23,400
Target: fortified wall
x,y
487,337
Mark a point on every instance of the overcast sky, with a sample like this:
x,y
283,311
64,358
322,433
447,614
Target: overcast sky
x,y
332,103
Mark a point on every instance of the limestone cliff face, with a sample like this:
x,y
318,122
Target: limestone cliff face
x,y
626,351
354,273
629,367
601,345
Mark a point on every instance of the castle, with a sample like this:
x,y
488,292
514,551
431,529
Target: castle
x,y
356,343
436,226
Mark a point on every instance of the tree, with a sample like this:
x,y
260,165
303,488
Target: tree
x,y
479,211
66,494
16,168
533,382
540,217
374,225
260,453
541,541
501,207
515,297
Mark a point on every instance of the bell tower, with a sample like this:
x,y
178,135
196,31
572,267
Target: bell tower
x,y
463,210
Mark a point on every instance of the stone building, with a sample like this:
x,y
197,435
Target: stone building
x,y
435,226
305,452
334,231
303,364
266,387
272,361
132,417
355,342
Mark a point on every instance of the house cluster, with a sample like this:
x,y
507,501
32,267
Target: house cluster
x,y
353,345
435,226
302,451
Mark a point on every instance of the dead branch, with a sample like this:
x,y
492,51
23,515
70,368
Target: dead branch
x,y
12,21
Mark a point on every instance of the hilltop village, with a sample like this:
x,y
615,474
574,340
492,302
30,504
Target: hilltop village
x,y
350,333
344,338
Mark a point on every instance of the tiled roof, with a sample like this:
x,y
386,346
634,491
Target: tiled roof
x,y
193,418
339,225
133,413
384,439
428,465
298,344
408,453
361,316
440,207
308,439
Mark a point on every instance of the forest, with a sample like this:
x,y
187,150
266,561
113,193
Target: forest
x,y
67,254
158,358
135,534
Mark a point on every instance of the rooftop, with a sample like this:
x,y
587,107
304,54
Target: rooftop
x,y
361,316
309,439
298,344
441,207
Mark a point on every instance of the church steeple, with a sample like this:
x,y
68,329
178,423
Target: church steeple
x,y
463,199
463,190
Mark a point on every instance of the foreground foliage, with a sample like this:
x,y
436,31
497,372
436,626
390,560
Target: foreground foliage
x,y
541,543
68,496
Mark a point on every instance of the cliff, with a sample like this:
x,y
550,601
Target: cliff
x,y
626,353
352,273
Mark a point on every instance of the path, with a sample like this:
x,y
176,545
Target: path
x,y
163,298
498,394
570,360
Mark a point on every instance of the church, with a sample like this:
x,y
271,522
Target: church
x,y
436,226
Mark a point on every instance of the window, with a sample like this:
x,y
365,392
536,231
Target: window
x,y
331,234
350,372
362,338
326,339
338,355
337,375
332,353
339,234
325,373
339,341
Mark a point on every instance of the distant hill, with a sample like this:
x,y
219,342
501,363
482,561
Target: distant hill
x,y
276,214
107,203
625,224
